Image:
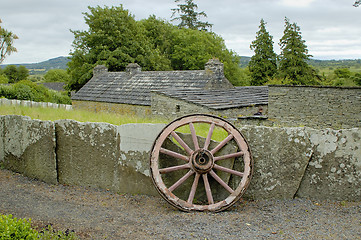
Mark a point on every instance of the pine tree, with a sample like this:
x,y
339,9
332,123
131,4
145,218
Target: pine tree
x,y
293,67
189,17
263,64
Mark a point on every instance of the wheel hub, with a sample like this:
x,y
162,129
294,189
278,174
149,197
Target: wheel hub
x,y
202,161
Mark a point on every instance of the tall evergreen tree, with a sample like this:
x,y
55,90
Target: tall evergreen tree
x,y
263,64
293,67
189,17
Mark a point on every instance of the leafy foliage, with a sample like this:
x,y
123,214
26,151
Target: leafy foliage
x,y
357,79
6,43
27,90
115,39
189,17
13,228
263,64
56,75
3,79
15,74
293,58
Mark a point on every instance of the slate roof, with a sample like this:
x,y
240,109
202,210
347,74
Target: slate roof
x,y
134,86
222,99
57,86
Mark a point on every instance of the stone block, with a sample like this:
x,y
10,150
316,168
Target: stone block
x,y
105,156
280,158
334,171
5,101
86,153
29,147
136,141
1,139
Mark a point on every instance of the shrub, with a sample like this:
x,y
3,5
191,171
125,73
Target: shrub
x,y
57,75
27,90
13,228
357,79
3,79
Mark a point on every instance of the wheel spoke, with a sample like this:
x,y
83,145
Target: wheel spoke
x,y
180,181
194,136
194,188
221,144
190,163
175,168
208,189
220,181
182,143
231,171
232,155
174,154
209,136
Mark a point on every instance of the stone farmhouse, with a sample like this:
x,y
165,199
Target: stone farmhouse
x,y
171,94
168,93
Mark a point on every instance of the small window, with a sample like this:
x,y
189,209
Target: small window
x,y
177,108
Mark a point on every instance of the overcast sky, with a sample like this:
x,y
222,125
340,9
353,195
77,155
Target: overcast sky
x,y
331,28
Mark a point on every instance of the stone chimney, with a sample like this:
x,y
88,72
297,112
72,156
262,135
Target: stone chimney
x,y
99,70
133,68
215,69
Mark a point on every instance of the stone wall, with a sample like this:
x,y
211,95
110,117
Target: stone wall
x,y
288,161
317,107
171,108
112,108
26,103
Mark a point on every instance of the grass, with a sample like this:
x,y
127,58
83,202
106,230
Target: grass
x,y
53,114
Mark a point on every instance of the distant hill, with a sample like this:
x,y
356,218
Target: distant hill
x,y
43,67
61,63
344,63
244,61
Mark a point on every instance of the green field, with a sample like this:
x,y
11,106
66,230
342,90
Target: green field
x,y
53,114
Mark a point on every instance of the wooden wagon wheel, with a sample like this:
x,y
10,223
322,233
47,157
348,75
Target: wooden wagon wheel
x,y
200,173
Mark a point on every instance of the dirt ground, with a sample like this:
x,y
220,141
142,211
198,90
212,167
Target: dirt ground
x,y
98,214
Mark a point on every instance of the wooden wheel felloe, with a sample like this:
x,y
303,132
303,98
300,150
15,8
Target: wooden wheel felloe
x,y
201,163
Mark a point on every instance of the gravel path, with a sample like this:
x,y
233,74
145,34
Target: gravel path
x,y
97,214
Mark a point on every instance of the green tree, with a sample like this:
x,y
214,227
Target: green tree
x,y
11,73
114,38
190,48
342,72
263,64
293,67
22,72
6,43
357,3
357,79
16,74
56,75
3,79
189,17
160,34
193,48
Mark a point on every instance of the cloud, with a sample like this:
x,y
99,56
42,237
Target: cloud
x,y
331,28
293,3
